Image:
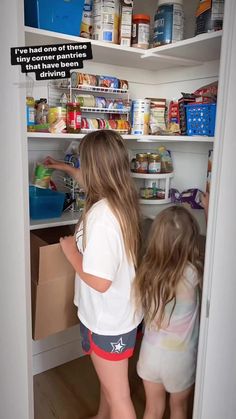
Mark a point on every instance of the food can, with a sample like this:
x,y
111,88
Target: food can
x,y
106,14
140,116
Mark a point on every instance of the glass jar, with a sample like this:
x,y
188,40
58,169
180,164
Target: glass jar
x,y
42,112
73,118
141,163
140,31
154,163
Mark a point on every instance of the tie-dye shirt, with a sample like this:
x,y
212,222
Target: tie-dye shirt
x,y
182,331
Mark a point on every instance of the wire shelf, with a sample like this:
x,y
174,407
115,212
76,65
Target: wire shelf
x,y
105,110
88,88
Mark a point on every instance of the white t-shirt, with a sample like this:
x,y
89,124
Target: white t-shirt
x,y
111,312
181,334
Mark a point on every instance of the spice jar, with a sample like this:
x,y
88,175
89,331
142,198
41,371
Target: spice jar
x,y
154,163
73,118
140,31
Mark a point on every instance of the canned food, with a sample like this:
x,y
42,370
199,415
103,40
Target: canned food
x,y
141,163
140,116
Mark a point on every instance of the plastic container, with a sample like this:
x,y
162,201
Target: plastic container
x,y
209,16
168,22
140,31
140,116
106,14
62,16
45,203
201,119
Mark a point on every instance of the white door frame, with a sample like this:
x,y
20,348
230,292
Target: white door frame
x,y
216,371
16,385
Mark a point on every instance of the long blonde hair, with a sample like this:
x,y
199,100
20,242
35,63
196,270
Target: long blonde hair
x,y
174,242
106,174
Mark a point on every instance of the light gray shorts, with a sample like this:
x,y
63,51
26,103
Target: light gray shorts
x,y
175,370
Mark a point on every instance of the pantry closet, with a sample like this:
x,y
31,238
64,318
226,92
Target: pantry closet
x,y
166,73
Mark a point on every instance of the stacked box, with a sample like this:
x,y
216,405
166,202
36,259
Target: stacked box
x,y
126,22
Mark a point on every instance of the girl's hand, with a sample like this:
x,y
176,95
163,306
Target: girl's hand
x,y
60,165
54,164
69,247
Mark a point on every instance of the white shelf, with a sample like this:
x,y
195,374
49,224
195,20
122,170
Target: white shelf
x,y
67,218
189,52
139,138
152,175
154,201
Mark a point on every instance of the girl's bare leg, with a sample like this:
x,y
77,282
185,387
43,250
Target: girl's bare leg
x,y
155,400
179,404
113,376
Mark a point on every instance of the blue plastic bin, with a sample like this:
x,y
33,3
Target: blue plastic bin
x,y
201,119
62,16
45,203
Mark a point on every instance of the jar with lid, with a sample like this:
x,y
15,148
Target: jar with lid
x,y
42,112
154,163
168,22
141,163
73,118
140,31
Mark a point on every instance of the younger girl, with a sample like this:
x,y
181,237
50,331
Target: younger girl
x,y
103,253
167,287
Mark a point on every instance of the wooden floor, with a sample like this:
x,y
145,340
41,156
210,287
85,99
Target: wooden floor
x,y
71,391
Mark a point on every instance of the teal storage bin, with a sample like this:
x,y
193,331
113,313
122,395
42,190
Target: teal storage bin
x,y
45,203
62,16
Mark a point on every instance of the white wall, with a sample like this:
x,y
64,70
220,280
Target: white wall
x,y
15,317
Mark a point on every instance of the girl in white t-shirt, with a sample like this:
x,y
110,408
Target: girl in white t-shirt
x,y
104,253
167,288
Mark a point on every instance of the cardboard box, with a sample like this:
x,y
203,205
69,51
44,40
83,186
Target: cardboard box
x,y
52,284
126,22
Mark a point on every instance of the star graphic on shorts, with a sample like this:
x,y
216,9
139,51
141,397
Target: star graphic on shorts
x,y
118,346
